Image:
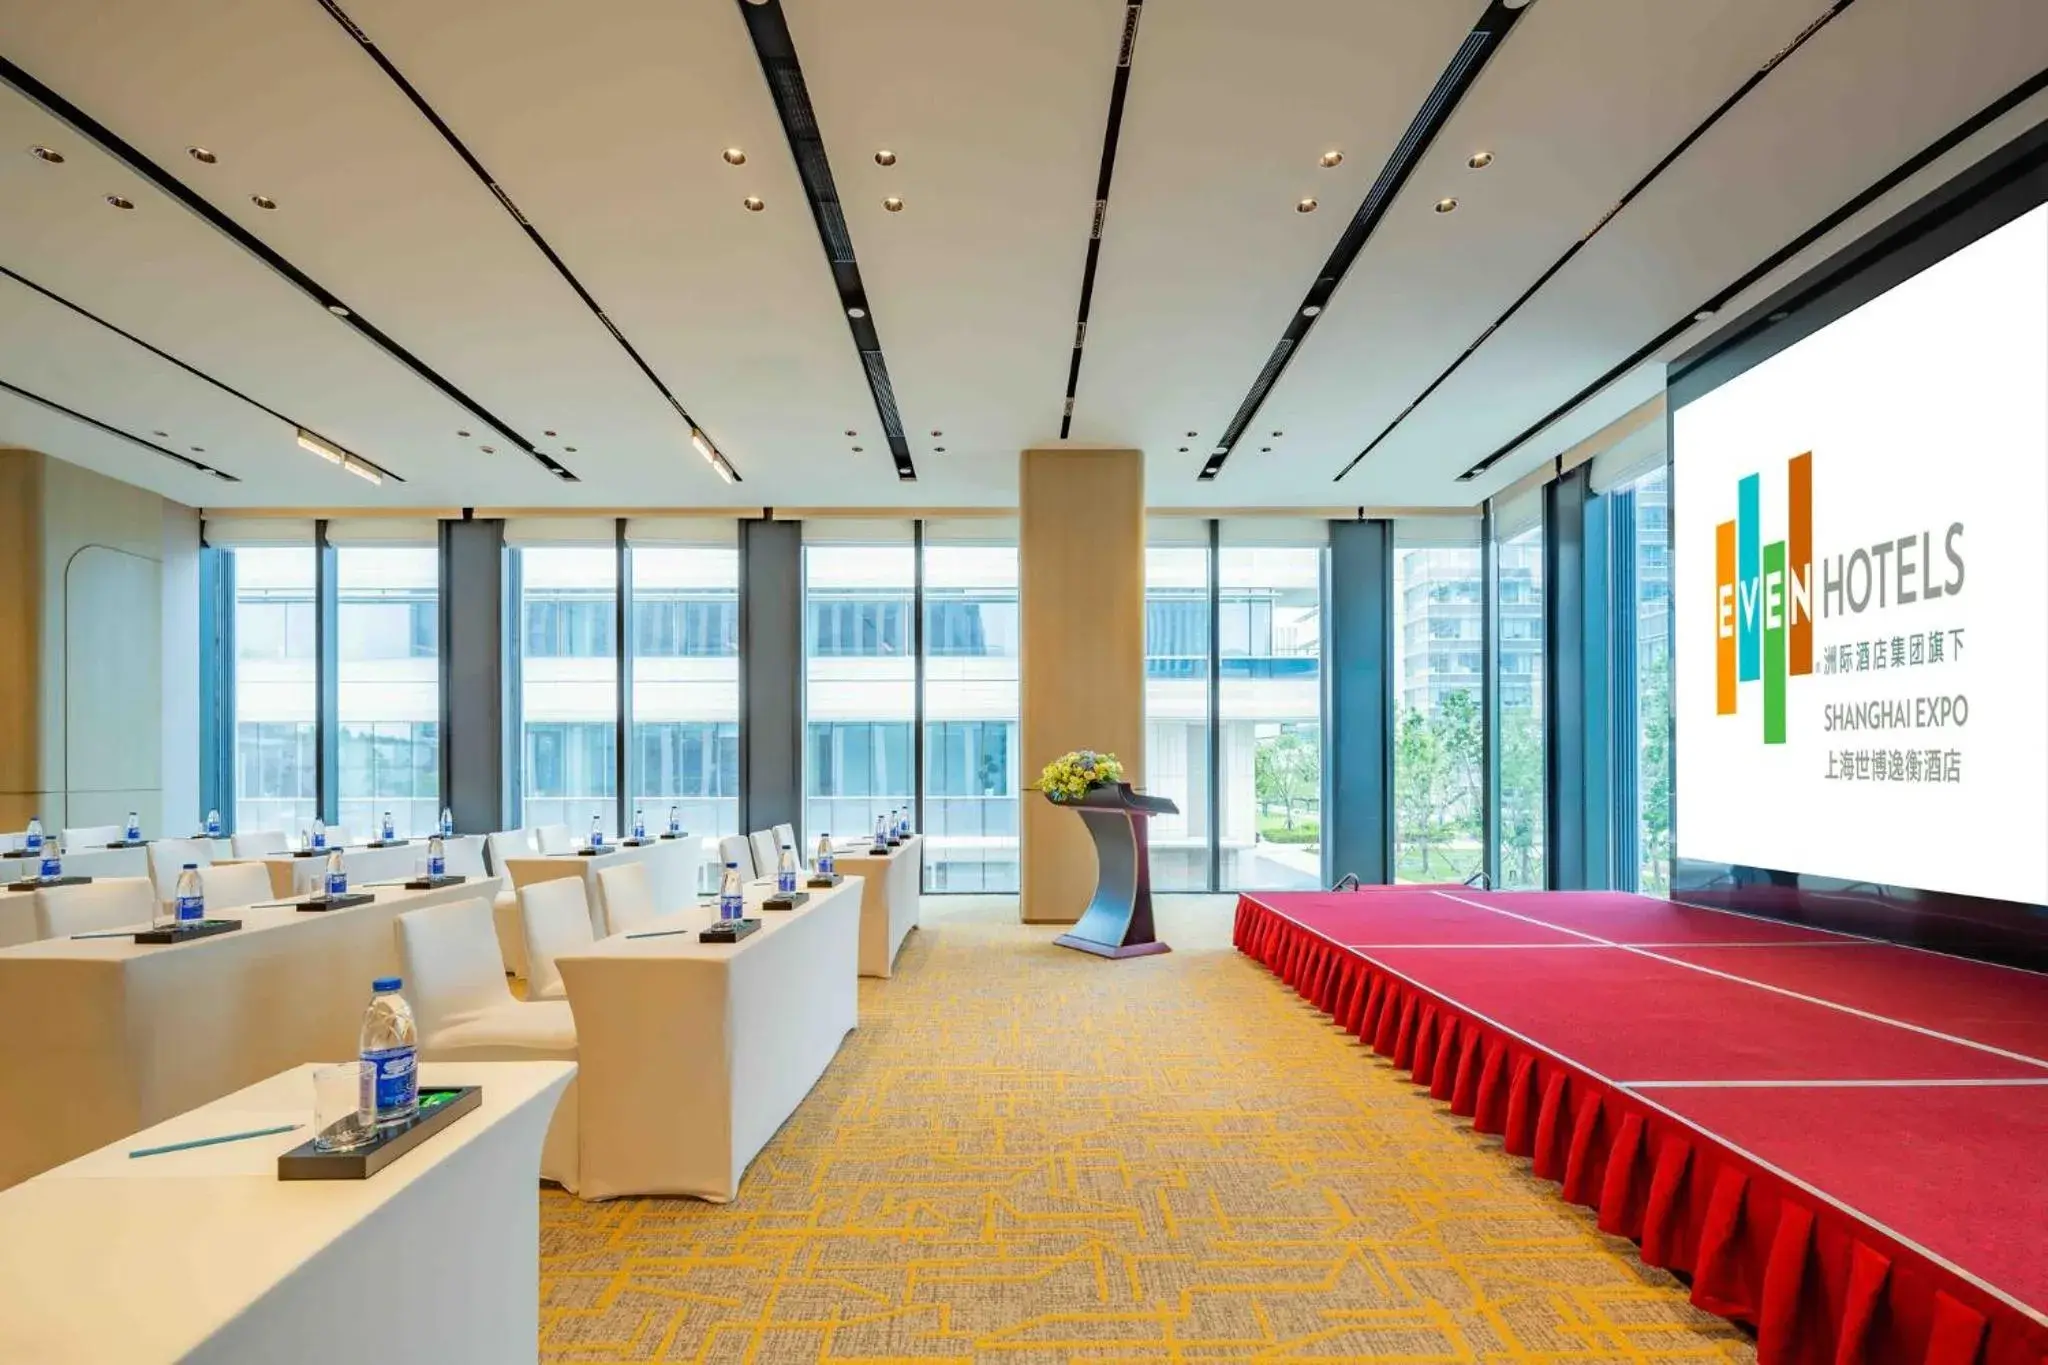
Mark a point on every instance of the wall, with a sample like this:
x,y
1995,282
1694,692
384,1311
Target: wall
x,y
21,577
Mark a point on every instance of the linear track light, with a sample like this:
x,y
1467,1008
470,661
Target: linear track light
x,y
362,471
333,454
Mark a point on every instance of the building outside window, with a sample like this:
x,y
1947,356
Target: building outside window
x,y
277,782
387,624
568,636
1438,712
1270,711
860,686
1652,510
1519,621
971,713
1177,705
685,659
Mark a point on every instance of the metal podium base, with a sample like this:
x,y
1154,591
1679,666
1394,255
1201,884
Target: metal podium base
x,y
1089,945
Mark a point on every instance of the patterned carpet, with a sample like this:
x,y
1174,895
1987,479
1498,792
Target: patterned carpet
x,y
1027,1156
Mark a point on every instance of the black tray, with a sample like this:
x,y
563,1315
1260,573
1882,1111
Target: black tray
x,y
684,835
32,883
728,931
878,851
342,902
122,843
305,1162
312,852
387,843
435,883
789,902
634,843
189,930
824,883
595,852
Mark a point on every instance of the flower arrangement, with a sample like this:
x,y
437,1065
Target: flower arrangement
x,y
1068,777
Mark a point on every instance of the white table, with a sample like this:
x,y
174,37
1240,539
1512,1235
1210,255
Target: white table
x,y
888,909
671,872
90,862
109,1035
205,1256
692,1054
290,876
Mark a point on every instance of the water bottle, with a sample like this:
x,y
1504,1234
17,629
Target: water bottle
x,y
53,866
881,832
903,823
337,875
390,830
389,1048
133,834
639,825
319,832
596,833
785,872
32,839
191,895
675,822
437,857
732,901
824,862
447,823
213,824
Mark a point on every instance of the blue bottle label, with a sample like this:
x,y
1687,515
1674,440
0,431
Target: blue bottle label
x,y
785,882
33,842
391,1081
337,883
191,909
437,867
213,829
731,906
825,865
52,867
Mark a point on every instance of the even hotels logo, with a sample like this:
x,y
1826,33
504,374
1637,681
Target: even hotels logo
x,y
1763,597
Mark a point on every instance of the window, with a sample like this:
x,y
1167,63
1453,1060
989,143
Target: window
x,y
1439,751
1520,740
387,624
1177,712
860,684
568,685
276,702
1270,712
971,713
1652,510
686,691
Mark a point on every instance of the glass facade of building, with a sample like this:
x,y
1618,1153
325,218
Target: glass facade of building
x,y
1519,748
684,655
1438,713
1269,717
277,705
568,686
388,649
970,717
860,687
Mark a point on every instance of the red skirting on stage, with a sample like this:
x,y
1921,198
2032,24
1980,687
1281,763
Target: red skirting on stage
x,y
1842,1143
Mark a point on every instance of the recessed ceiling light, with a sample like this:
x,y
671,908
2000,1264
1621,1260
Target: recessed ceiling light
x,y
118,202
893,204
1305,206
885,157
851,432
1333,157
488,450
1479,161
263,201
1265,450
49,154
569,449
198,450
1310,310
1704,315
856,312
1191,436
547,433
734,156
938,433
856,450
463,434
1778,316
938,450
1183,450
337,310
201,155
753,205
165,434
1446,205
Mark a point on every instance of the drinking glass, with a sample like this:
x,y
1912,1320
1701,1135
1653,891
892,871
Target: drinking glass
x,y
337,1108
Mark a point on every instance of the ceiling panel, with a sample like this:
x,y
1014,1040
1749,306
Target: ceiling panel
x,y
995,113
1204,257
1580,102
162,273
1876,86
29,426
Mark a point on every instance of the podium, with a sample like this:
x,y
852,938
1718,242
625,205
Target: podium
x,y
1118,920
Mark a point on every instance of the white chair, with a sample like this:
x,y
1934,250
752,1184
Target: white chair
x,y
337,837
628,896
167,857
557,839
786,834
509,843
500,848
105,903
736,848
766,852
92,836
464,857
455,982
227,885
555,917
261,843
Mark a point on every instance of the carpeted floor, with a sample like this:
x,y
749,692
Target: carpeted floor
x,y
1027,1155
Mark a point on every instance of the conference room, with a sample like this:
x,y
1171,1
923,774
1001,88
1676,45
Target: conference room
x,y
1097,681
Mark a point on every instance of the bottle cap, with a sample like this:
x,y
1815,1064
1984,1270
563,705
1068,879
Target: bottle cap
x,y
191,867
385,985
732,864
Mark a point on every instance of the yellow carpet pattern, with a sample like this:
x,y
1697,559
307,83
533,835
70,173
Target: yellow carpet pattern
x,y
1025,1155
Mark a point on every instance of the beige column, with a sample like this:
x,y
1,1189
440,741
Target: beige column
x,y
1082,602
21,595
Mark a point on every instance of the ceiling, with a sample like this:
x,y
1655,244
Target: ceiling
x,y
478,354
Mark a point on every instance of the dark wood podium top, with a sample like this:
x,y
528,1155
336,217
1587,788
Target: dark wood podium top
x,y
1120,796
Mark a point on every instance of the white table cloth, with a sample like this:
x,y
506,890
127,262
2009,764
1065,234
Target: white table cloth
x,y
91,862
693,1054
205,1256
108,1035
290,876
671,871
888,908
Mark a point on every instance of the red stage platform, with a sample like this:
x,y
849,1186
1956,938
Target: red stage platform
x,y
1841,1142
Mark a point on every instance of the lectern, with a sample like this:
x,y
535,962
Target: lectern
x,y
1118,921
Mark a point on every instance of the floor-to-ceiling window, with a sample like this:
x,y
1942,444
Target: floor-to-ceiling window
x,y
1270,714
388,648
1519,743
568,682
277,708
970,707
1650,496
1438,709
1177,701
860,678
685,660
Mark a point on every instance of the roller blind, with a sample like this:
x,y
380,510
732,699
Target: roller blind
x,y
227,533
713,531
1421,532
1519,506
1176,531
1275,531
857,531
970,531
1629,458
383,531
524,531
